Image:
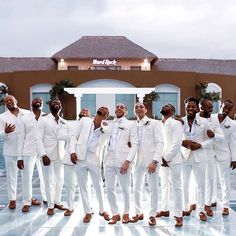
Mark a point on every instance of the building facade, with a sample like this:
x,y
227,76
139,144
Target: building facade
x,y
115,62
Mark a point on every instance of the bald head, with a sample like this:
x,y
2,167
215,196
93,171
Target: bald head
x,y
10,102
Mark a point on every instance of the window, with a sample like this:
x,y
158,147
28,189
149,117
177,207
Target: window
x,y
135,68
41,90
107,67
46,99
89,101
72,67
128,100
165,98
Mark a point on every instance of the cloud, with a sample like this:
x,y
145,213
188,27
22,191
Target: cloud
x,y
180,28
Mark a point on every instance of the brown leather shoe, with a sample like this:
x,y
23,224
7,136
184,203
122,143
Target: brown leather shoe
x,y
136,218
152,221
225,211
208,210
50,211
25,208
192,207
163,213
186,213
12,204
60,207
214,204
35,202
202,216
178,221
87,218
68,212
114,220
105,215
126,219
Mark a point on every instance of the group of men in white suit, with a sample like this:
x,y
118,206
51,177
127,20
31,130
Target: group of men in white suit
x,y
172,150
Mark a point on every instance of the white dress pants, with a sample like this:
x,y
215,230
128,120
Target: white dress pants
x,y
171,176
83,168
12,172
210,180
41,180
70,181
111,175
53,178
199,171
223,168
139,174
29,164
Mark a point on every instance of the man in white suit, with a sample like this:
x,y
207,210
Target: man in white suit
x,y
51,132
171,168
148,156
206,108
122,147
225,152
196,139
9,123
70,169
27,154
86,148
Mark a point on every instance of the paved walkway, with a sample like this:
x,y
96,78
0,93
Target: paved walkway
x,y
36,222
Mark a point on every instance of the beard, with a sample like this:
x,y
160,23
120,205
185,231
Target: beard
x,y
55,109
36,106
164,113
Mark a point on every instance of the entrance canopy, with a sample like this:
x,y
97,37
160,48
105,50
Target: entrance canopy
x,y
78,93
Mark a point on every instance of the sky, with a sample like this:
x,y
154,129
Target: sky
x,y
167,28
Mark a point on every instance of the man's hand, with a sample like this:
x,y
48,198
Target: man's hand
x,y
186,143
124,168
195,146
210,133
20,164
9,128
164,163
46,160
233,165
73,158
152,167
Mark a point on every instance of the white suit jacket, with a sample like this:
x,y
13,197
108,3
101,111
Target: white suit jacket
x,y
198,134
173,134
127,132
151,142
226,149
51,137
79,139
10,140
26,143
219,136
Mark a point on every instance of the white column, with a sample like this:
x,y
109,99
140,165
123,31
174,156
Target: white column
x,y
78,97
140,97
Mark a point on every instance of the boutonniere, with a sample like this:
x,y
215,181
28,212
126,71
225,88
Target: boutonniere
x,y
227,126
122,128
196,123
147,123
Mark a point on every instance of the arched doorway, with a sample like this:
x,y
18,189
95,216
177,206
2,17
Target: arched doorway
x,y
93,101
41,90
168,93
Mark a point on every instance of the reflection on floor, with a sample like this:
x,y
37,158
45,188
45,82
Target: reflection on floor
x,y
36,222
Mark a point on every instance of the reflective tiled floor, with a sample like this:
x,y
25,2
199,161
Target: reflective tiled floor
x,y
36,222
